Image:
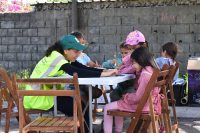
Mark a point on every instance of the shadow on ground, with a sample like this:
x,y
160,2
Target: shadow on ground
x,y
186,125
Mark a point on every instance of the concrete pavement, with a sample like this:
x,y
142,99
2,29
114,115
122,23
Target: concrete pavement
x,y
188,118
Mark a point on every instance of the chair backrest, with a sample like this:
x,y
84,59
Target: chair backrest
x,y
165,67
147,94
3,86
6,83
75,92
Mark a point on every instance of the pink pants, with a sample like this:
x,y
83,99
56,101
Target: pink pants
x,y
108,119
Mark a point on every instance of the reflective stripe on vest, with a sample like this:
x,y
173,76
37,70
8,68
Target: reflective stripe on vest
x,y
47,72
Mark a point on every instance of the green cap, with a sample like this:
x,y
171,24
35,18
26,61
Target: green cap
x,y
70,41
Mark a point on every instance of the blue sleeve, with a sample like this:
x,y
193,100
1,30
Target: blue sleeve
x,y
87,58
107,65
119,60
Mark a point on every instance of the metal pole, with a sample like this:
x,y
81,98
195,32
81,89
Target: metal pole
x,y
74,15
55,102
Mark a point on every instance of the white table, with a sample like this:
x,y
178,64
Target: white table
x,y
97,81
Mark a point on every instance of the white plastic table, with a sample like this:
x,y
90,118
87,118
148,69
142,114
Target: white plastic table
x,y
97,81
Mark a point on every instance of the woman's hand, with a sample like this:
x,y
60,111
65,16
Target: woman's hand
x,y
109,73
113,62
123,97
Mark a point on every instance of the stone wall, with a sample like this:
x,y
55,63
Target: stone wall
x,y
106,28
25,37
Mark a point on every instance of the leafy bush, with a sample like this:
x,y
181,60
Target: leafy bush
x,y
185,77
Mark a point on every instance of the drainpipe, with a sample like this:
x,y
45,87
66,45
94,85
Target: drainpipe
x,y
74,15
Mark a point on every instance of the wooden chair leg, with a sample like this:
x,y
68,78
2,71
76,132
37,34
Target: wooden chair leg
x,y
9,109
95,110
145,126
21,116
166,117
152,114
72,130
1,102
75,116
167,114
137,127
174,108
104,94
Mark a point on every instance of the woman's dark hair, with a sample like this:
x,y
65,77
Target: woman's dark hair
x,y
56,47
171,49
122,45
143,57
142,43
77,34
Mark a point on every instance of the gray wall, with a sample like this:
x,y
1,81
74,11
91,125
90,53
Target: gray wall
x,y
25,37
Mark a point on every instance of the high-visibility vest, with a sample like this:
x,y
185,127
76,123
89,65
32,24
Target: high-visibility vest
x,y
46,67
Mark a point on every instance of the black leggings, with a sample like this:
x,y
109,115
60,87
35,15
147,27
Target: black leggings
x,y
65,105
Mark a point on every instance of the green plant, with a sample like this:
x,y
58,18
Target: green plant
x,y
21,73
185,77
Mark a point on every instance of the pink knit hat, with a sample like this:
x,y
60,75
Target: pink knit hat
x,y
134,38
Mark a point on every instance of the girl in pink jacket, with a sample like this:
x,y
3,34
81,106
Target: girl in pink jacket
x,y
143,62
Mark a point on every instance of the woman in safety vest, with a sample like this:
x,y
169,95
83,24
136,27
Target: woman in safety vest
x,y
60,58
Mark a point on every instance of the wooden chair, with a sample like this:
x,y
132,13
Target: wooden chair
x,y
165,103
138,118
95,110
50,123
4,94
13,94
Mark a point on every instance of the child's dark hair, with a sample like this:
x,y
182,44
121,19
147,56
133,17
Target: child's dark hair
x,y
143,57
77,34
142,43
122,45
171,49
56,47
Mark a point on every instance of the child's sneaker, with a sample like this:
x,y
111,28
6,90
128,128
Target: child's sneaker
x,y
162,130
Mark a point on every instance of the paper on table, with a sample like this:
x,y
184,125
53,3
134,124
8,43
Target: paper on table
x,y
99,68
66,75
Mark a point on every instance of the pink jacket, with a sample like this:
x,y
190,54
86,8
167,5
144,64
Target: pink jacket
x,y
131,100
127,67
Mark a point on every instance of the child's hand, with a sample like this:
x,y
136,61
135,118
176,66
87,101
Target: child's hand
x,y
109,73
122,97
121,64
95,65
100,66
117,68
113,62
